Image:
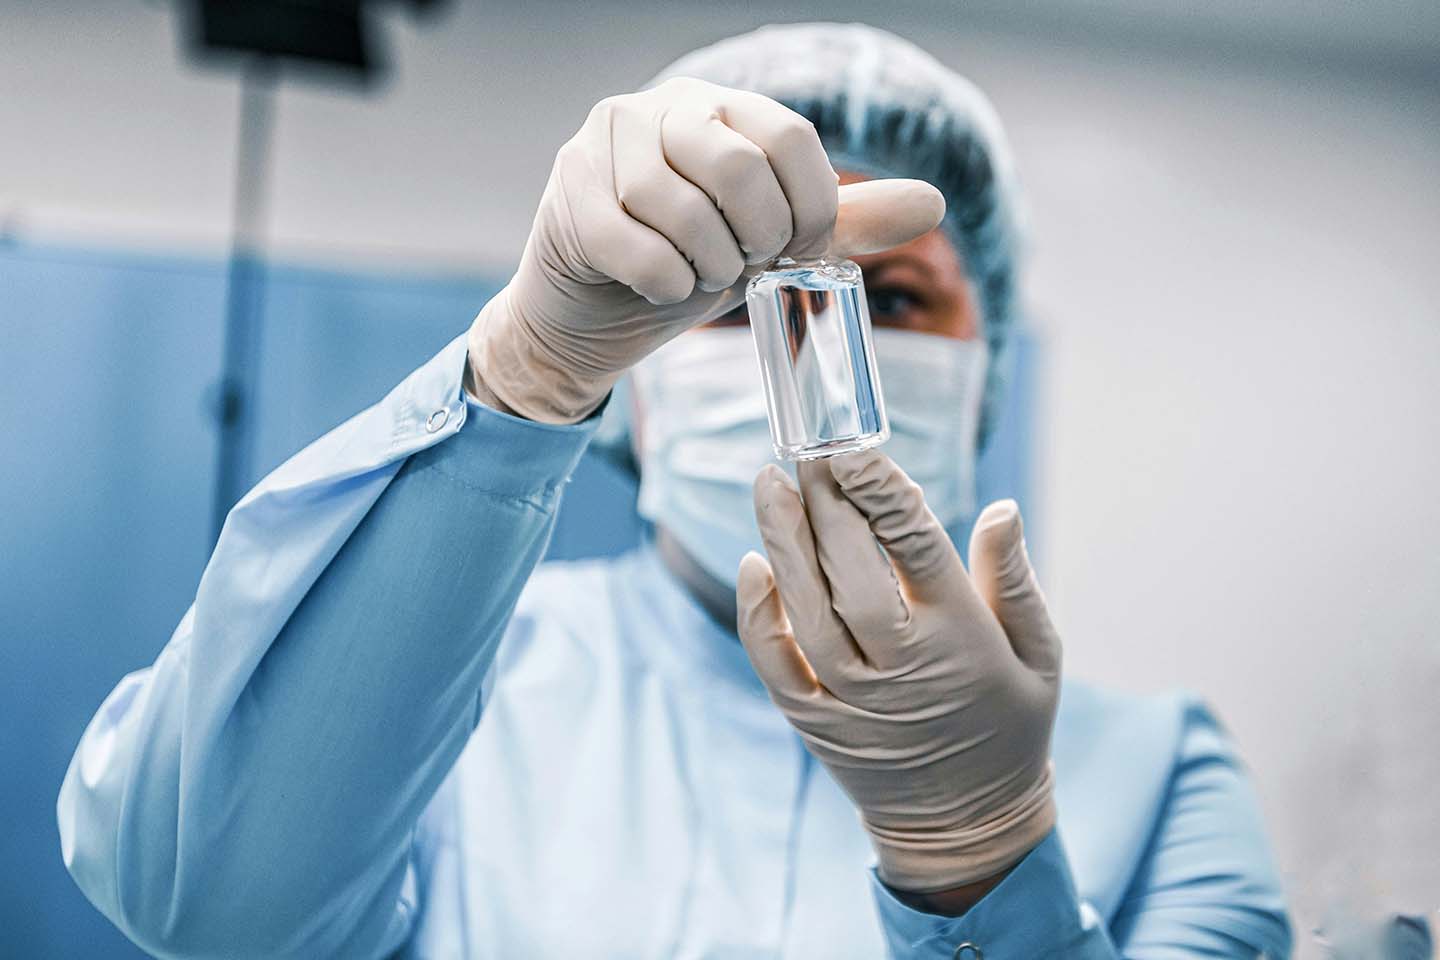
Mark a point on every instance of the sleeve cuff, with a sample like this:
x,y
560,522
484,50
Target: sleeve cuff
x,y
483,449
1034,912
509,456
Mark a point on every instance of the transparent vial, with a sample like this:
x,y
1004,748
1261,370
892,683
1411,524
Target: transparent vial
x,y
812,335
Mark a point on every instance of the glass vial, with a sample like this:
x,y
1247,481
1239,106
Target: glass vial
x,y
817,361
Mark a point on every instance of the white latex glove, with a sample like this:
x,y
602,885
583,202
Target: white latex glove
x,y
929,693
653,213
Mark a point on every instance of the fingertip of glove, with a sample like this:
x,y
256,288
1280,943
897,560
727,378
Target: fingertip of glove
x,y
929,202
999,527
1001,513
847,468
754,573
769,481
753,584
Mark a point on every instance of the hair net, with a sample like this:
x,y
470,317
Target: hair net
x,y
884,107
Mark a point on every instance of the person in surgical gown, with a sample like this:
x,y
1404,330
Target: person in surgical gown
x,y
381,731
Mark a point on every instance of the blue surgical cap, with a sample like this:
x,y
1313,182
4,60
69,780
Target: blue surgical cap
x,y
885,108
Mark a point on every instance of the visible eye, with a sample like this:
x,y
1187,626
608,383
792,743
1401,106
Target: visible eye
x,y
738,317
890,304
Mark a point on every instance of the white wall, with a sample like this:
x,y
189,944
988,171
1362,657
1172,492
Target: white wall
x,y
1234,273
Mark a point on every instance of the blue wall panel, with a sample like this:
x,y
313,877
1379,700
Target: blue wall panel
x,y
107,363
105,475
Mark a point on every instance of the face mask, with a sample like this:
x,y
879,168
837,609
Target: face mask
x,y
704,434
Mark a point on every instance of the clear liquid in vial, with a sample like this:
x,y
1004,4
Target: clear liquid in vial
x,y
812,335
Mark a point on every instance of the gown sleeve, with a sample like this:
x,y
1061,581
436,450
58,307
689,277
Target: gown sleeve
x,y
1033,913
254,792
1206,885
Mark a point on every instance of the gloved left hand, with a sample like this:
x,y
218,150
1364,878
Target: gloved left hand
x,y
928,692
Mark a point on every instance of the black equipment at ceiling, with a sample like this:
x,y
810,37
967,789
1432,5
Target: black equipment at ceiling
x,y
331,33
258,36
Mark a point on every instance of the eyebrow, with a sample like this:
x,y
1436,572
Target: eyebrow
x,y
903,260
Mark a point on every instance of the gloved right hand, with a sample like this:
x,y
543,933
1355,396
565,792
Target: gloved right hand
x,y
654,212
928,692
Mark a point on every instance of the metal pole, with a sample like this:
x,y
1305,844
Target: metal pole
x,y
244,290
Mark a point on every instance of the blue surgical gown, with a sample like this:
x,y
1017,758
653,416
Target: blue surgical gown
x,y
381,731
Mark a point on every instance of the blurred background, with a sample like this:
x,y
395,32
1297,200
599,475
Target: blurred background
x,y
1225,437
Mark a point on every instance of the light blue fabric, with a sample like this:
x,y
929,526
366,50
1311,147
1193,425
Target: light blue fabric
x,y
376,733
